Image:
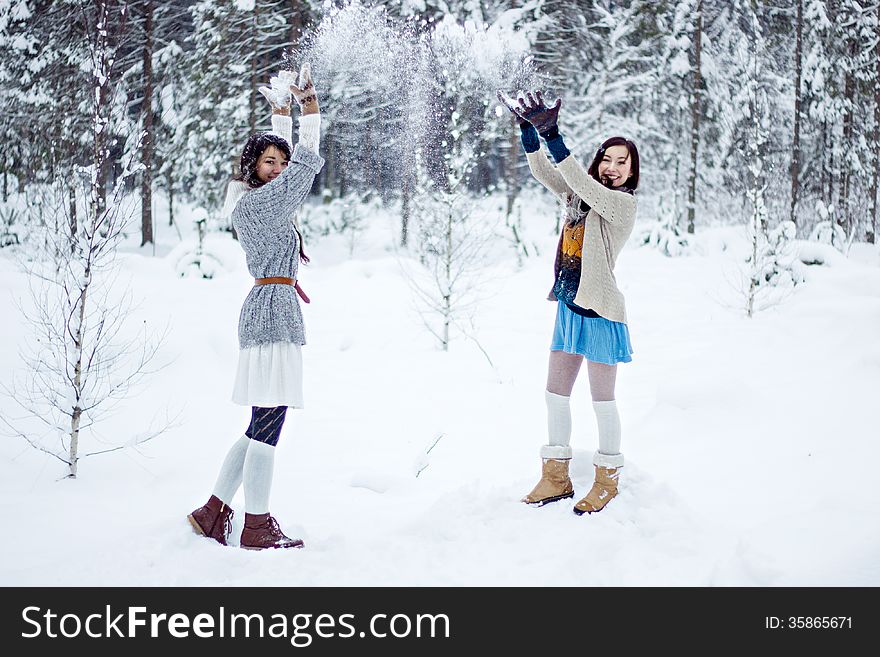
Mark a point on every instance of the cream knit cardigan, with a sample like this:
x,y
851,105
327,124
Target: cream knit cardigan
x,y
608,226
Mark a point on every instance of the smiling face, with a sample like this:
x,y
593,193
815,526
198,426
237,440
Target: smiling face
x,y
615,167
270,164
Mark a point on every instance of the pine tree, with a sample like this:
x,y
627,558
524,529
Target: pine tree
x,y
860,165
606,76
153,60
147,122
235,46
696,93
668,115
46,121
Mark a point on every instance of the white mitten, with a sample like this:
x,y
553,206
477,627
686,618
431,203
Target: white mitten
x,y
278,91
304,92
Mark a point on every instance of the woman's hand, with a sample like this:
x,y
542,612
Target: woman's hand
x,y
304,92
535,111
508,103
277,95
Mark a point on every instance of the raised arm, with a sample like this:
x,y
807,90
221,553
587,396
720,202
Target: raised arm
x,y
543,171
279,198
614,206
280,95
546,174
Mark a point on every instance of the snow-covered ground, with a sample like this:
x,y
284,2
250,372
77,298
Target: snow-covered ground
x,y
751,444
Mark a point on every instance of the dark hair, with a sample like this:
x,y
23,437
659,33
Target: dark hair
x,y
254,147
633,182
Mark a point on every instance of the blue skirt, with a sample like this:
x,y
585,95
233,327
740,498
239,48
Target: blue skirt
x,y
595,338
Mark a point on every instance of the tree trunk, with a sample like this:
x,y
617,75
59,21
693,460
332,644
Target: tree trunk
x,y
296,23
871,232
796,141
71,209
73,454
341,176
844,219
252,100
329,170
826,185
696,94
170,185
513,190
406,195
447,298
750,306
102,59
678,207
100,123
76,414
512,180
147,124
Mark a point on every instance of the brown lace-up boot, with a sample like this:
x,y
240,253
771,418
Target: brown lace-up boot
x,y
554,484
261,531
603,491
213,520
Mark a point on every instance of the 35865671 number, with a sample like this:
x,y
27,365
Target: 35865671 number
x,y
819,622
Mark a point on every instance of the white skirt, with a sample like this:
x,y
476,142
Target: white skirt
x,y
270,375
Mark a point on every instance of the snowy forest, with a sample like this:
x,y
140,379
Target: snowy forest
x,y
706,89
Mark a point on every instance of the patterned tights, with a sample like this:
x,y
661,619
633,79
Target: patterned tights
x,y
266,423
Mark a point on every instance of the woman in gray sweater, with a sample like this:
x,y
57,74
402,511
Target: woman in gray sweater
x,y
600,211
262,203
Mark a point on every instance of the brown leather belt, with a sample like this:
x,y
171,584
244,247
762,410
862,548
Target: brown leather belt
x,y
283,280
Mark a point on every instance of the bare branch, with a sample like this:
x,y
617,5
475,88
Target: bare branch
x,y
31,442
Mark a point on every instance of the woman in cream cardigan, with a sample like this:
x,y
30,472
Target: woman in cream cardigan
x,y
600,210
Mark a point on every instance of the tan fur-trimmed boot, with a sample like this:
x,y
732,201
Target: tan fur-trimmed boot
x,y
555,483
603,491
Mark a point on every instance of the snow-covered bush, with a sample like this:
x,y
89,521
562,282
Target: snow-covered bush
x,y
198,265
343,216
811,253
828,231
198,262
774,266
781,266
665,234
9,226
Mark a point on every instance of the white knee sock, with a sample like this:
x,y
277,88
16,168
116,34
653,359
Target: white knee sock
x,y
258,467
558,427
608,420
229,478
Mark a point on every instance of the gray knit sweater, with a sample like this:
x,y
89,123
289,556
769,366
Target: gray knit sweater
x,y
263,219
